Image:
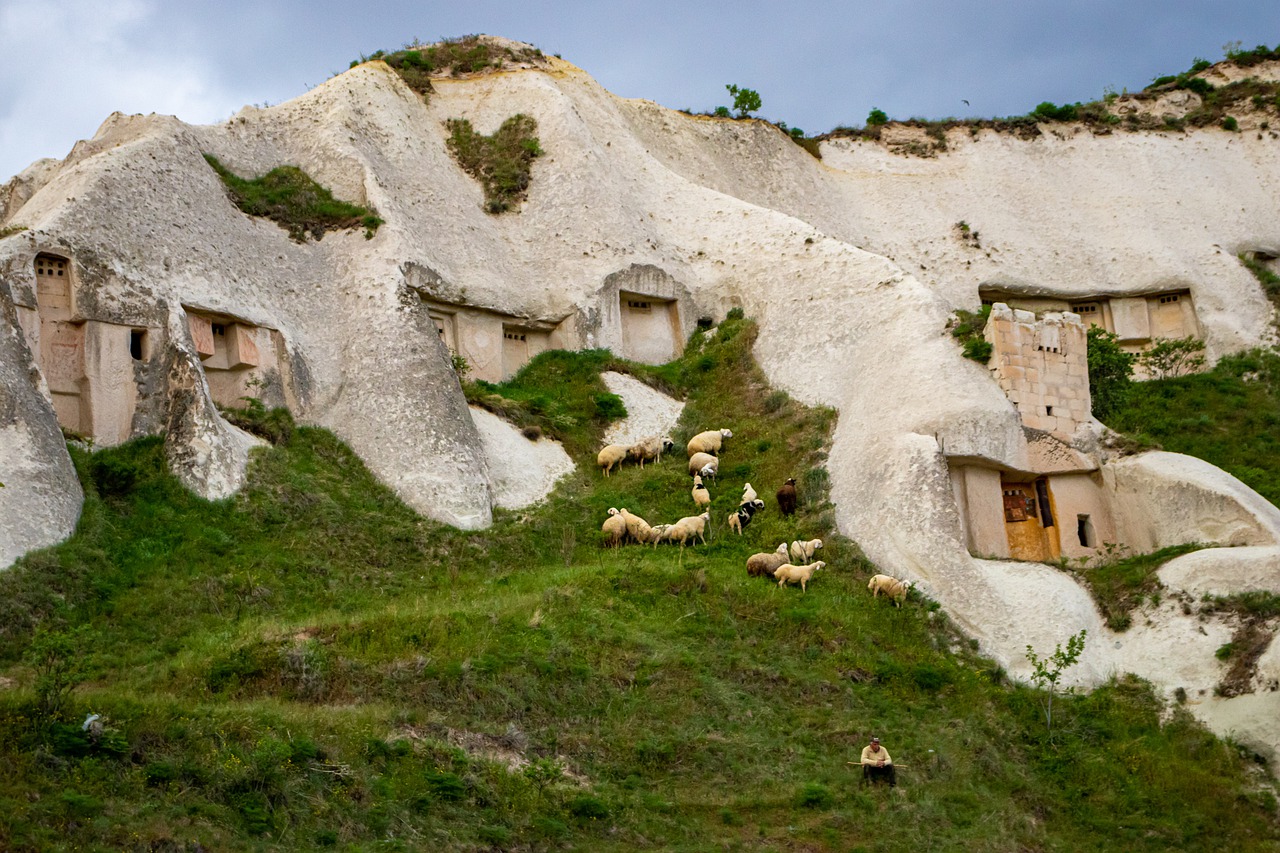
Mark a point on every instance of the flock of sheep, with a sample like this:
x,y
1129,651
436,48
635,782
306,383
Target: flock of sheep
x,y
787,564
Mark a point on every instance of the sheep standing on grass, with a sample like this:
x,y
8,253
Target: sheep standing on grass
x,y
614,528
787,497
687,528
759,565
748,495
698,461
890,586
741,517
637,528
611,455
709,441
649,449
709,471
802,551
787,573
701,496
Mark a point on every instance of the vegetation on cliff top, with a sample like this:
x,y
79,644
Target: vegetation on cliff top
x,y
417,63
310,664
289,197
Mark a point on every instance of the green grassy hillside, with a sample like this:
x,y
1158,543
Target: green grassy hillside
x,y
311,665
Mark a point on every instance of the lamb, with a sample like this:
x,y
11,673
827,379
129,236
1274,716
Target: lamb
x,y
700,460
701,496
689,527
709,471
709,441
765,564
748,494
741,517
802,551
649,449
614,528
890,586
787,497
610,455
637,528
797,574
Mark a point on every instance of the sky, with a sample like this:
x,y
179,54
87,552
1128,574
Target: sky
x,y
65,65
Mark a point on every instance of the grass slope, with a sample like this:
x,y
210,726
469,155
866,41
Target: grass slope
x,y
311,665
1229,416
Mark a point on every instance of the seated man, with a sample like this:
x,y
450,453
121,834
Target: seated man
x,y
877,765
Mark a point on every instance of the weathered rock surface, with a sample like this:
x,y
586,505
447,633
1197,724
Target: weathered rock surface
x,y
521,472
649,412
40,497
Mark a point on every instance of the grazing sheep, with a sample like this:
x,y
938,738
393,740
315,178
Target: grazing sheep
x,y
741,517
787,497
765,564
701,496
649,449
614,528
657,533
709,441
637,528
709,471
890,586
699,460
689,527
797,574
748,494
611,455
802,551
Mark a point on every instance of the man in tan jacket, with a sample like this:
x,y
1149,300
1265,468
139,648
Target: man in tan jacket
x,y
876,763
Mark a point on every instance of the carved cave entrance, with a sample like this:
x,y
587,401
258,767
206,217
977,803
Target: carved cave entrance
x,y
1029,521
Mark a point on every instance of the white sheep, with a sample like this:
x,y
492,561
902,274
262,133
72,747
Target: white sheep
x,y
614,528
890,586
649,449
709,441
637,528
701,496
687,528
709,471
787,573
765,564
748,494
698,461
658,533
802,551
610,455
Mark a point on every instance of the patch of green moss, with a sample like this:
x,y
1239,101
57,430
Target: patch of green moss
x,y
289,197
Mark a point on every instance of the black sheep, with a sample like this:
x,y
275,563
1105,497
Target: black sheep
x,y
787,497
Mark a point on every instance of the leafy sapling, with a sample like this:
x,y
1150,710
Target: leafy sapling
x,y
1046,673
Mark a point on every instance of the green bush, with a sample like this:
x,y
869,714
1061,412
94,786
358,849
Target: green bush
x,y
1110,368
1048,111
967,327
877,117
1230,123
815,795
587,807
275,425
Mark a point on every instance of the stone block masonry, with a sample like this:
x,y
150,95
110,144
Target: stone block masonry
x,y
1042,367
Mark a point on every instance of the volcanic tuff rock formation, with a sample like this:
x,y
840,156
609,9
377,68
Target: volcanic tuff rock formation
x,y
138,295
